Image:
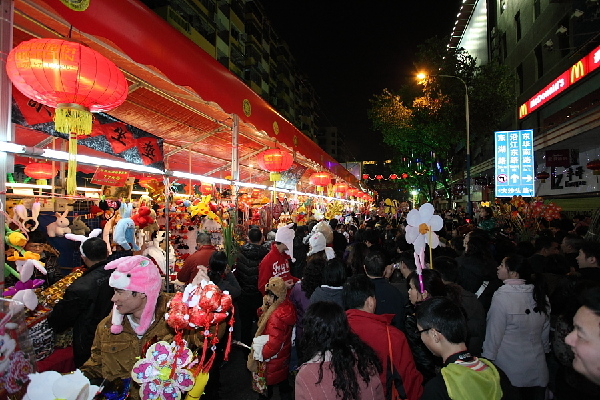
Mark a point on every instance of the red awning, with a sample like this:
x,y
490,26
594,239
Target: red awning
x,y
177,91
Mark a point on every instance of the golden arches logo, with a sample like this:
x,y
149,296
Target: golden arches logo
x,y
523,111
577,71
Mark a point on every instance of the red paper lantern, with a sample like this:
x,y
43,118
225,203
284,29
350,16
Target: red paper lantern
x,y
341,188
67,76
39,171
320,178
275,161
352,192
206,188
72,78
542,176
379,177
404,175
594,165
393,176
365,176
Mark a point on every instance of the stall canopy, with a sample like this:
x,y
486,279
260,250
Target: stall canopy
x,y
177,91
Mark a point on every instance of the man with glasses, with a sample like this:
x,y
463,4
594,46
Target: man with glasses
x,y
443,329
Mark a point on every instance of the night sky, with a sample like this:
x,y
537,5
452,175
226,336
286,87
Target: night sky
x,y
351,50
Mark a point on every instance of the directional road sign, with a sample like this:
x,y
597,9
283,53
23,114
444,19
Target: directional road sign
x,y
515,168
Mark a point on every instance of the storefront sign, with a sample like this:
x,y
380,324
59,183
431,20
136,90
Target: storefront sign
x,y
514,160
575,179
571,76
109,177
558,158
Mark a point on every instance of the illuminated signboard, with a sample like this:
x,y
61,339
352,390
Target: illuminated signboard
x,y
577,71
514,163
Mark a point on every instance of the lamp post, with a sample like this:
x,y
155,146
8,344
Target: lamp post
x,y
422,76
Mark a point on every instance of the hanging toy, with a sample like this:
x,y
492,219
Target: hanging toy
x,y
420,231
78,227
23,289
21,211
60,227
143,217
124,233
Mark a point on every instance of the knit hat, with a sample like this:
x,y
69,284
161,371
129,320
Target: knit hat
x,y
317,243
285,235
137,274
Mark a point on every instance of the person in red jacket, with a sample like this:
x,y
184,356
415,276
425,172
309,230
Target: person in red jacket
x,y
277,261
272,343
200,257
359,299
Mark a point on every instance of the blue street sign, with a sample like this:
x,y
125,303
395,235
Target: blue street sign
x,y
514,170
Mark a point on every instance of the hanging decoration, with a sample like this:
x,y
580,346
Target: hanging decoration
x,y
320,180
41,172
341,188
594,165
542,176
73,79
422,224
275,161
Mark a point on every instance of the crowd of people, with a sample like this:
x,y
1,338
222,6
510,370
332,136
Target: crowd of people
x,y
337,310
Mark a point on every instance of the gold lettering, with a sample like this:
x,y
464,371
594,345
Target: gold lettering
x,y
577,71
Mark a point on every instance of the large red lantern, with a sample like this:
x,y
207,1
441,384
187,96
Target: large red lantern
x,y
275,161
72,78
352,192
594,165
320,180
341,188
39,171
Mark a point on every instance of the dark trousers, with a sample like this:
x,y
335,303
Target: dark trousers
x,y
286,392
248,304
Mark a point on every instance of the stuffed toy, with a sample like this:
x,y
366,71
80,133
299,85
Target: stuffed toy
x,y
60,227
23,290
143,217
124,233
325,229
78,227
137,274
22,215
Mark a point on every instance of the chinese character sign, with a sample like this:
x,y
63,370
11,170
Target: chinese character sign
x,y
514,170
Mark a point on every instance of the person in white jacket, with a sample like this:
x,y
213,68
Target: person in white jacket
x,y
518,327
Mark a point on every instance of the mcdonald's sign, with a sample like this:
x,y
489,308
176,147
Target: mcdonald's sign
x,y
577,71
523,111
574,74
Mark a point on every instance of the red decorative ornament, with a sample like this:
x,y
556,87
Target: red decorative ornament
x,y
275,161
320,179
341,188
404,175
206,188
40,171
594,165
73,79
352,192
393,176
365,176
145,182
542,176
255,193
379,177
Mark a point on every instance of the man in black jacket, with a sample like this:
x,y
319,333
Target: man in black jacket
x,y
86,301
249,257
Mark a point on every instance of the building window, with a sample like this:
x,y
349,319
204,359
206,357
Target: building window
x,y
518,24
536,9
539,60
520,77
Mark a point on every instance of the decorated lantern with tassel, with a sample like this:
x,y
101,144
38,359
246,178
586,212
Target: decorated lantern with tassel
x,y
275,161
341,188
41,172
594,165
73,79
320,180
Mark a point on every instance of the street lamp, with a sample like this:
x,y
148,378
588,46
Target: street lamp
x,y
422,76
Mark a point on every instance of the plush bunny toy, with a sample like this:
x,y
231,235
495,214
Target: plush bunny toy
x,y
60,227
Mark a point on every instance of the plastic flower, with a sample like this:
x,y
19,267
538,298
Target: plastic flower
x,y
163,374
421,228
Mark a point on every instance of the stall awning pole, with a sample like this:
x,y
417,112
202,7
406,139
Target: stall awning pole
x,y
6,128
235,162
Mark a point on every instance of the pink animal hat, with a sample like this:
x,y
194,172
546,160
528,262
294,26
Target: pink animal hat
x,y
137,274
